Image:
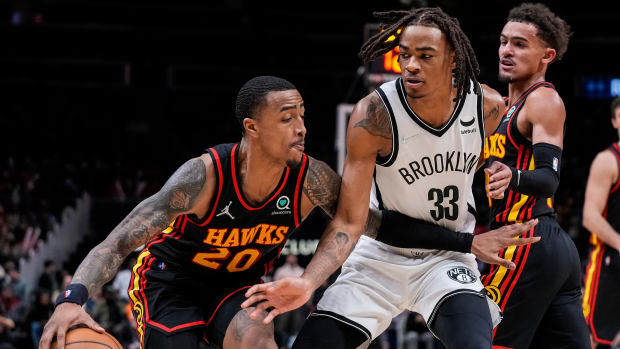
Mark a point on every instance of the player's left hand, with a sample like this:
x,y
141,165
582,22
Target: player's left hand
x,y
499,179
279,297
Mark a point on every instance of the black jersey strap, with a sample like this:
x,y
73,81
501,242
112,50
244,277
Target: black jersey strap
x,y
299,190
513,130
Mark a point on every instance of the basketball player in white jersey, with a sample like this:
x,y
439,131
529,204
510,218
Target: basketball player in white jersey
x,y
413,147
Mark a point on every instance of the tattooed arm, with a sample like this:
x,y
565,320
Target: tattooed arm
x,y
368,134
494,108
151,216
185,192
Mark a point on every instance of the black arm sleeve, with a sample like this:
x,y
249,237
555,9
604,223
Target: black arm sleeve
x,y
545,178
400,230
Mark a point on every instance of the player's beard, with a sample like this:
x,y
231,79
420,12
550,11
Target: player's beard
x,y
506,79
294,164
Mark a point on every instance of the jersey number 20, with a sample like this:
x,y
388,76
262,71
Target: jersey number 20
x,y
241,261
448,210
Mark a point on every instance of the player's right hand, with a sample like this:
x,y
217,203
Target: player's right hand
x,y
277,297
486,246
65,316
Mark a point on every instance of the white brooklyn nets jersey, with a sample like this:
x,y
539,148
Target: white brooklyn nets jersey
x,y
429,173
428,176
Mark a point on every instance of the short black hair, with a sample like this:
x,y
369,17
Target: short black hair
x,y
551,29
393,22
614,105
251,96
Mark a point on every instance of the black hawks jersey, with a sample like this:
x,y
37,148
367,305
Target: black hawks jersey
x,y
510,147
235,238
612,208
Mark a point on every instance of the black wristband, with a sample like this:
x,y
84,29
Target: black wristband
x,y
515,179
74,293
400,230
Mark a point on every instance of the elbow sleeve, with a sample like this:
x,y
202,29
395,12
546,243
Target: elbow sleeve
x,y
543,181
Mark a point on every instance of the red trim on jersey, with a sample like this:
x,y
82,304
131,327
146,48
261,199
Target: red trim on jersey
x,y
598,274
525,94
234,175
501,347
531,201
222,301
297,187
510,193
509,278
514,282
615,187
168,329
526,159
182,231
531,208
147,267
220,176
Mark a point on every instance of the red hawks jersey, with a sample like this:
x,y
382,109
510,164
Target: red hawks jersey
x,y
612,207
235,238
510,147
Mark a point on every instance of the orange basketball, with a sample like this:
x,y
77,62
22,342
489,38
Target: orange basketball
x,y
85,338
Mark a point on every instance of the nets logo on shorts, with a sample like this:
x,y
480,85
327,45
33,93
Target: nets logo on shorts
x,y
462,275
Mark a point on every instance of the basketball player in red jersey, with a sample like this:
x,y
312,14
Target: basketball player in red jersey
x,y
526,150
214,229
601,216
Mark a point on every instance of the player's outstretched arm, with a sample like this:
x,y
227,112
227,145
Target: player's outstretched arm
x,y
187,186
603,174
485,246
369,133
545,114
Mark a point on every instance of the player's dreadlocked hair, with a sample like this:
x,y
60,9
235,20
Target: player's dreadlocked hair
x,y
552,29
252,94
393,22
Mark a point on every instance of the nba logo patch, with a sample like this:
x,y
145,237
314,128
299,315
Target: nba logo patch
x,y
67,293
161,265
555,164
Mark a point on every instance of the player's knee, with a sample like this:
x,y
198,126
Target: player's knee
x,y
325,332
464,322
245,333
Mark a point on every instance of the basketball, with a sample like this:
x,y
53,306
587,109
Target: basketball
x,y
85,338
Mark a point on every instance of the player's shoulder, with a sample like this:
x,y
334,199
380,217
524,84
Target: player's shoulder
x,y
545,101
321,171
491,95
371,104
605,161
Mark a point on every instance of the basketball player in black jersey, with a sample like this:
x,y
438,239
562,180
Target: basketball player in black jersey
x,y
540,299
601,216
214,229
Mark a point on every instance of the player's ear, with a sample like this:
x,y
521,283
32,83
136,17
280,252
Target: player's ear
x,y
549,55
249,125
452,60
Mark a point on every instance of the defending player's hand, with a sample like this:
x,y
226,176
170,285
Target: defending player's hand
x,y
486,246
280,296
499,179
65,316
